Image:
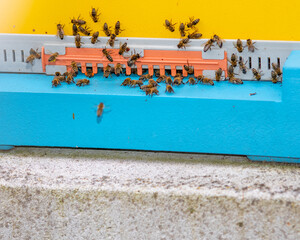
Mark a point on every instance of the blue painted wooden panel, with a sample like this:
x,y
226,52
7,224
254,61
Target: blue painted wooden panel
x,y
221,119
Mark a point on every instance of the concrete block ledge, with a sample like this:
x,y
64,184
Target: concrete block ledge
x,y
52,193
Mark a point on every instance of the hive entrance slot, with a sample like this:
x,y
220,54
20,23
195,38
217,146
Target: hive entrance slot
x,y
259,63
14,55
5,56
269,63
278,62
250,62
22,55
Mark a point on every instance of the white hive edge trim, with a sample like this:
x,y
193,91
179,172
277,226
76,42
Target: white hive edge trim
x,y
14,49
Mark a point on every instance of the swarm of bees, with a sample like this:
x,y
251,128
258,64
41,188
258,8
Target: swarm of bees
x,y
188,31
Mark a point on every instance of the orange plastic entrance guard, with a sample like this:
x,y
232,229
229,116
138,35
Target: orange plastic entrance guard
x,y
161,58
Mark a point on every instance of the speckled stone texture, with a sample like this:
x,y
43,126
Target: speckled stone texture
x,y
101,194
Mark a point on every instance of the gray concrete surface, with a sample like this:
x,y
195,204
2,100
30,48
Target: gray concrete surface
x,y
100,194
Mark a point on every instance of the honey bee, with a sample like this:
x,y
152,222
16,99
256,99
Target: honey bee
x,y
118,69
106,53
208,45
169,25
239,45
235,80
242,65
274,77
70,78
194,35
233,60
61,78
276,69
133,83
133,59
111,40
106,30
148,76
107,71
250,45
55,82
143,78
35,53
94,38
191,81
257,74
178,81
95,15
157,73
85,30
78,42
204,80
183,43
218,74
123,48
199,78
82,82
30,59
126,82
100,108
78,21
160,79
178,75
74,67
151,91
118,29
230,72
53,57
169,80
189,69
182,29
193,22
89,73
57,74
145,87
218,40
60,31
75,29
152,82
169,89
